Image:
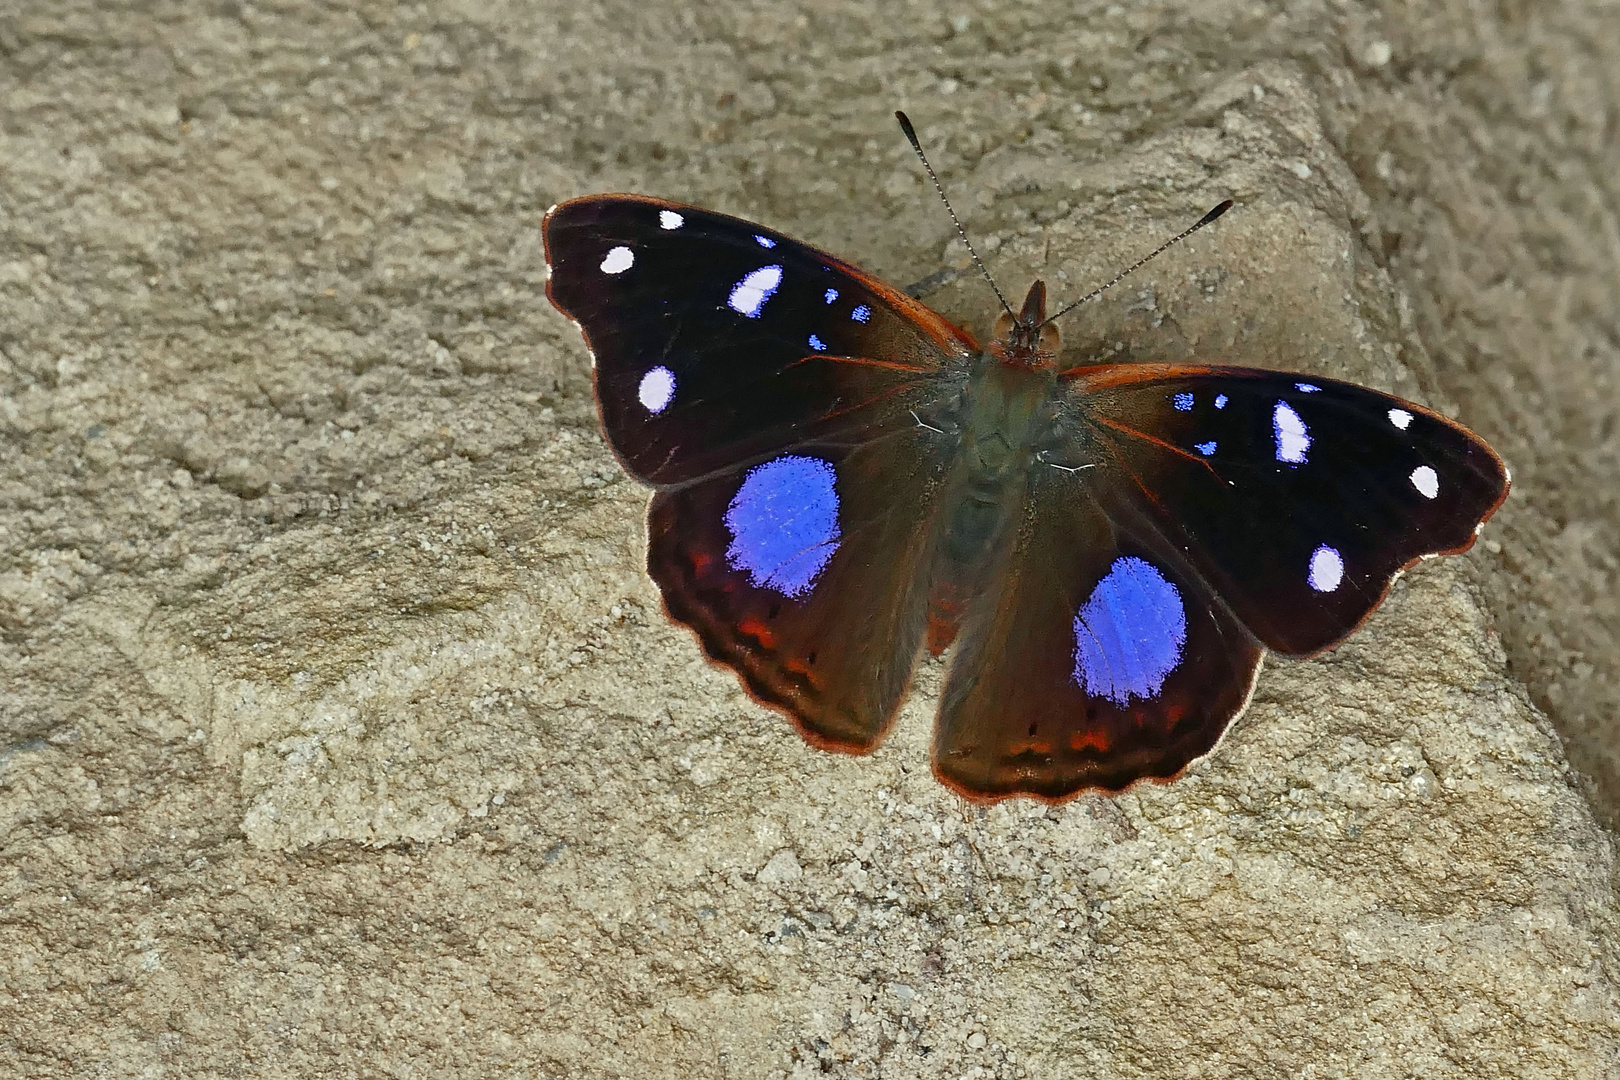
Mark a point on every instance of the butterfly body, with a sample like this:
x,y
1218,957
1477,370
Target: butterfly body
x,y
1002,428
844,479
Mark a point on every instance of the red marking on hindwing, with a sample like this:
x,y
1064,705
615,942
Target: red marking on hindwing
x,y
1090,739
759,631
1038,747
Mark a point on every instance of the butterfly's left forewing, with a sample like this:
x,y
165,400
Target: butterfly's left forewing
x,y
718,342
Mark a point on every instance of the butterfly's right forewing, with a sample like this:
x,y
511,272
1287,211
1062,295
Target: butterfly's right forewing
x,y
1297,498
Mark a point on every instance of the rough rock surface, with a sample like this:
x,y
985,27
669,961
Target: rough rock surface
x,y
340,732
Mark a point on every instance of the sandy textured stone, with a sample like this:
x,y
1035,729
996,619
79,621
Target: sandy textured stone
x,y
341,732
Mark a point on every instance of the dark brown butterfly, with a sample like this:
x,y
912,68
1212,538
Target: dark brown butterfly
x,y
843,479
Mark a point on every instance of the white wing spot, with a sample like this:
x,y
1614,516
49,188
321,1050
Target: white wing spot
x,y
1400,418
618,260
1426,480
750,294
656,390
1292,436
1327,569
669,219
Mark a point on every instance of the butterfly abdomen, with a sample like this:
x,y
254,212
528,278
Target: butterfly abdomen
x,y
1004,420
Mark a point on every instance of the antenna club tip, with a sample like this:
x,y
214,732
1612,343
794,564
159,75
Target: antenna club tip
x,y
905,126
1213,214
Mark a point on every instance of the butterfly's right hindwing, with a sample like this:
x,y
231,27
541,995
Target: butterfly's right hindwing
x,y
1096,658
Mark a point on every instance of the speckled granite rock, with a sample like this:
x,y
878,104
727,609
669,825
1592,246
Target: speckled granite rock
x,y
342,734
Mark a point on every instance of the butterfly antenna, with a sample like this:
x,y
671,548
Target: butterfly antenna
x,y
1144,260
911,134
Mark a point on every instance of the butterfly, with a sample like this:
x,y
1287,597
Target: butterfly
x,y
843,479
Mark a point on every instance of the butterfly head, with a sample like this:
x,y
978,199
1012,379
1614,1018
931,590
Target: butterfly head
x,y
1026,340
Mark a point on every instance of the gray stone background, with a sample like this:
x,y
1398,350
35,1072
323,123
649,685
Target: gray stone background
x,y
341,733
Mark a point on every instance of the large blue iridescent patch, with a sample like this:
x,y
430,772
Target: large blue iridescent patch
x,y
784,523
1129,634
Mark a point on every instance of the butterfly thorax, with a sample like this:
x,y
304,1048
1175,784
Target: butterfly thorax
x,y
1007,405
1026,339
1005,424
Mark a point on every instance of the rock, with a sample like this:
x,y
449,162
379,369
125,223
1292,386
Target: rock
x,y
341,722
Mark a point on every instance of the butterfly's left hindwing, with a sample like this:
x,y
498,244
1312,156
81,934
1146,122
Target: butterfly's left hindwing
x,y
805,573
718,342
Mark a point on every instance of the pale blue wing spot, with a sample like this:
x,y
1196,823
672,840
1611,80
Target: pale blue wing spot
x,y
1220,401
1306,388
1182,401
817,344
830,295
1292,437
1130,633
861,313
1205,448
764,241
784,524
750,294
657,389
1326,569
